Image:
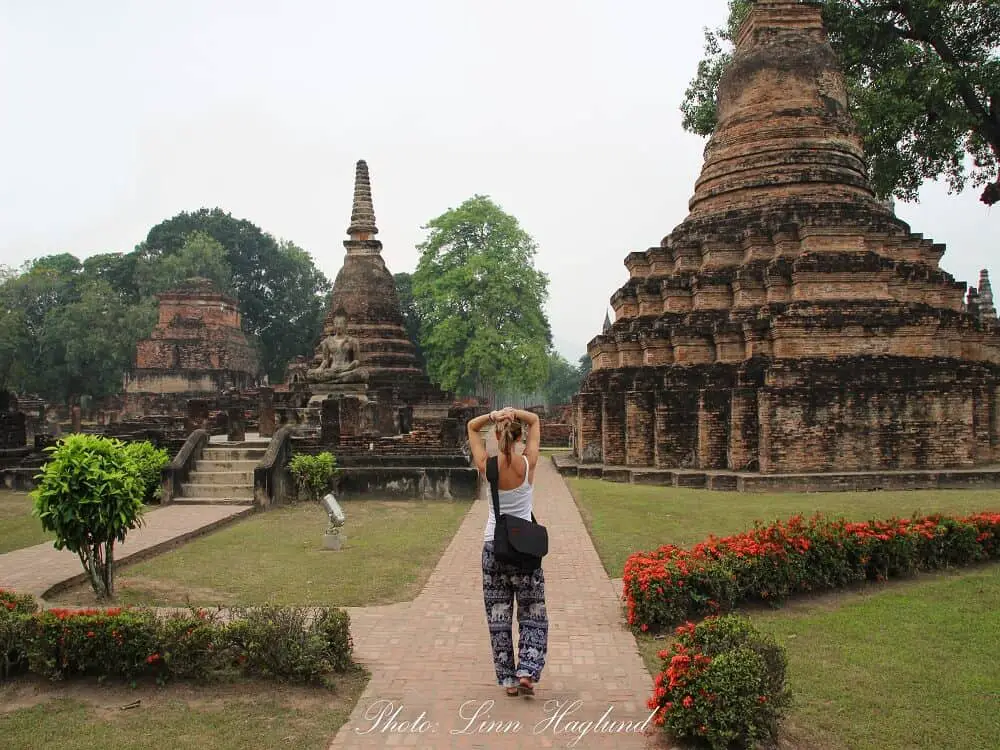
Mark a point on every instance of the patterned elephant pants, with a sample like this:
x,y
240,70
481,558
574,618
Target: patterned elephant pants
x,y
502,583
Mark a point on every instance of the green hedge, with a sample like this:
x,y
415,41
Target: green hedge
x,y
302,645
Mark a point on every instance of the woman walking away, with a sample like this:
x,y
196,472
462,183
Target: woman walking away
x,y
503,582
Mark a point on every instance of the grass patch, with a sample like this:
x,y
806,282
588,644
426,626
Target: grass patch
x,y
623,519
897,666
242,716
277,557
20,528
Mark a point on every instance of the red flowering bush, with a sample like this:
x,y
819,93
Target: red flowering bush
x,y
770,563
14,612
722,685
102,642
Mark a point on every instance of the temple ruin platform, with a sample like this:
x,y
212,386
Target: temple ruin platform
x,y
983,477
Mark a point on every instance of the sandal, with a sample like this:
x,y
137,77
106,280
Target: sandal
x,y
525,686
513,692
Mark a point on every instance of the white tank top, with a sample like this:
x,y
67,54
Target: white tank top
x,y
516,502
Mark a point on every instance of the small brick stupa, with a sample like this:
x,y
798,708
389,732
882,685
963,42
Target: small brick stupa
x,y
364,310
197,349
792,323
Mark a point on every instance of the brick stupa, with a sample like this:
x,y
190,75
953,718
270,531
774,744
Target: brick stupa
x,y
791,323
197,349
365,292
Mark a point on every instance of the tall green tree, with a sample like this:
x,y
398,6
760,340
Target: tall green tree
x,y
480,301
584,366
411,315
64,334
924,84
201,255
563,382
281,293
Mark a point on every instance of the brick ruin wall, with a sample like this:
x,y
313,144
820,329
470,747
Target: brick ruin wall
x,y
848,414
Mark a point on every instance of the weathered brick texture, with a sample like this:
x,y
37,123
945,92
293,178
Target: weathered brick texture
x,y
197,347
791,322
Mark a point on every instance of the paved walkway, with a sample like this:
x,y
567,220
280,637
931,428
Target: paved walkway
x,y
430,659
35,570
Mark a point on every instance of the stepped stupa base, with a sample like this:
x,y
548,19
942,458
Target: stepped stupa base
x,y
982,477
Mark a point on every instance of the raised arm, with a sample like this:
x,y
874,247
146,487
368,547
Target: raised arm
x,y
476,443
533,425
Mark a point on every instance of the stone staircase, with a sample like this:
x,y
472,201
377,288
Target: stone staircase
x,y
223,475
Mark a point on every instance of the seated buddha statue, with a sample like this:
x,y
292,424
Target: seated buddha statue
x,y
338,357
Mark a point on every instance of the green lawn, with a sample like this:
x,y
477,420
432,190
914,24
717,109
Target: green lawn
x,y
242,716
899,666
277,557
625,518
18,528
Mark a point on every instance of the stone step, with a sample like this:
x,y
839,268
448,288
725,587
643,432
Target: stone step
x,y
212,466
231,478
233,454
212,501
216,490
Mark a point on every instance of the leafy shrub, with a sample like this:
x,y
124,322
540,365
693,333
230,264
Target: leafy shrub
x,y
149,462
14,615
297,645
722,684
313,473
292,643
88,494
191,645
771,563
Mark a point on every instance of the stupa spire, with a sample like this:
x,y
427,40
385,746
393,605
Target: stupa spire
x,y
363,213
784,132
986,309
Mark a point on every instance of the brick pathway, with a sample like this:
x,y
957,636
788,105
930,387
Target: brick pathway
x,y
36,570
430,658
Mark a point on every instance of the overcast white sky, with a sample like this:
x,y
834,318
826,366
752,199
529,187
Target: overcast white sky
x,y
118,114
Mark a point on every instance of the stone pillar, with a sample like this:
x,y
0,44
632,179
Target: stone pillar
x,y
713,429
329,426
75,417
266,417
764,419
452,432
675,429
404,415
639,430
385,423
590,414
197,415
235,425
351,416
613,419
743,430
982,451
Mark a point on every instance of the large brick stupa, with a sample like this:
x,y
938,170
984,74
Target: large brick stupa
x,y
791,323
197,349
364,310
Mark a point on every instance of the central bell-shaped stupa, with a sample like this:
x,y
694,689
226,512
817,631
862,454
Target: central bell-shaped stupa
x,y
791,323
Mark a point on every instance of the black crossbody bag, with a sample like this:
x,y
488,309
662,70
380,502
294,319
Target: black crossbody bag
x,y
516,541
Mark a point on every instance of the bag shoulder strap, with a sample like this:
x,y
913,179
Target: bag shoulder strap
x,y
493,475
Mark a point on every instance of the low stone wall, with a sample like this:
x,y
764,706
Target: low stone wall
x,y
555,435
985,478
413,482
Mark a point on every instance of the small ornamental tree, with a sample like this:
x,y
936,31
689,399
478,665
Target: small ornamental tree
x,y
90,495
313,473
